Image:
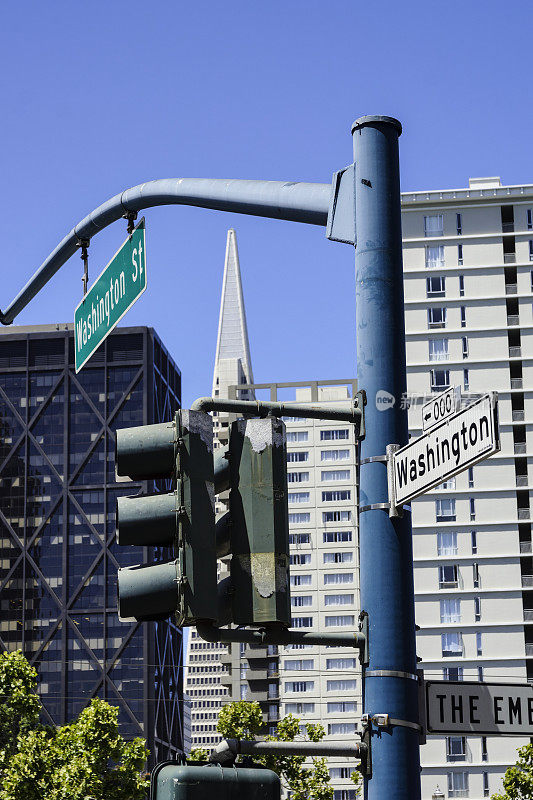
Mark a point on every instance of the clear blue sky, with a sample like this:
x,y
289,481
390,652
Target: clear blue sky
x,y
100,96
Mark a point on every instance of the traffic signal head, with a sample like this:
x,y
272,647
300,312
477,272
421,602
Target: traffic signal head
x,y
181,450
259,529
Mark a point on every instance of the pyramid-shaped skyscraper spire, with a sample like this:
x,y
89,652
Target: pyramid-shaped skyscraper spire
x,y
233,364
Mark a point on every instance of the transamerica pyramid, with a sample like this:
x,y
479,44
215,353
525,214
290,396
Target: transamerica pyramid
x,y
233,364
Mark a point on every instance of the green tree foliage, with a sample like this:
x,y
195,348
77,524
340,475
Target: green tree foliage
x,y
19,704
198,754
518,780
243,720
86,760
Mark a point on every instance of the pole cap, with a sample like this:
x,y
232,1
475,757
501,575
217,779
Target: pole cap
x,y
371,120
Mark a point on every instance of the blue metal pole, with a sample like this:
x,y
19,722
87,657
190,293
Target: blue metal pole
x,y
387,591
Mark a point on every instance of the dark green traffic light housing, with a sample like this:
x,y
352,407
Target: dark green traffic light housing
x,y
181,450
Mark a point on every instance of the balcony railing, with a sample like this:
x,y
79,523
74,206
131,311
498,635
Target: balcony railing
x,y
518,415
523,513
451,584
527,581
528,614
509,258
519,448
455,757
517,383
515,351
511,288
526,547
513,319
507,227
521,480
457,792
529,649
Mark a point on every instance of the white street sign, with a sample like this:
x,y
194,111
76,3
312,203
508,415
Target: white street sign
x,y
449,448
441,407
479,708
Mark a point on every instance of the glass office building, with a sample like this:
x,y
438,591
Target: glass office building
x,y
59,558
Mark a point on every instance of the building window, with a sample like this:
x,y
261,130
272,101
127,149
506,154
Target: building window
x,y
296,455
452,674
529,217
480,674
466,380
463,316
472,509
486,792
438,349
447,543
341,772
477,609
436,286
299,708
297,477
336,495
341,728
297,436
456,748
439,379
479,644
338,600
484,752
435,256
461,285
436,317
299,538
301,600
464,341
344,685
301,580
330,435
434,225
531,249
335,516
460,254
299,663
338,558
302,622
335,475
298,497
475,574
345,794
337,536
334,578
244,691
445,509
452,644
448,576
299,686
470,477
334,455
297,559
341,663
299,517
342,707
339,620
473,541
450,610
459,223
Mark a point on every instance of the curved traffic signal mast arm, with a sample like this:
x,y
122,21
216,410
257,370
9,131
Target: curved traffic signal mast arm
x,y
293,201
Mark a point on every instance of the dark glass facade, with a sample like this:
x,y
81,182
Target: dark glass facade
x,y
58,556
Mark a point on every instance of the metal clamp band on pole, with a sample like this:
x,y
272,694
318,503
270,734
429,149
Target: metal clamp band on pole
x,y
374,507
390,673
372,459
403,723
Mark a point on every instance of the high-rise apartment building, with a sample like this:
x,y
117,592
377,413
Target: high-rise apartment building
x,y
468,267
315,683
59,558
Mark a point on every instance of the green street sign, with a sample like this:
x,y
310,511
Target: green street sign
x,y
113,293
